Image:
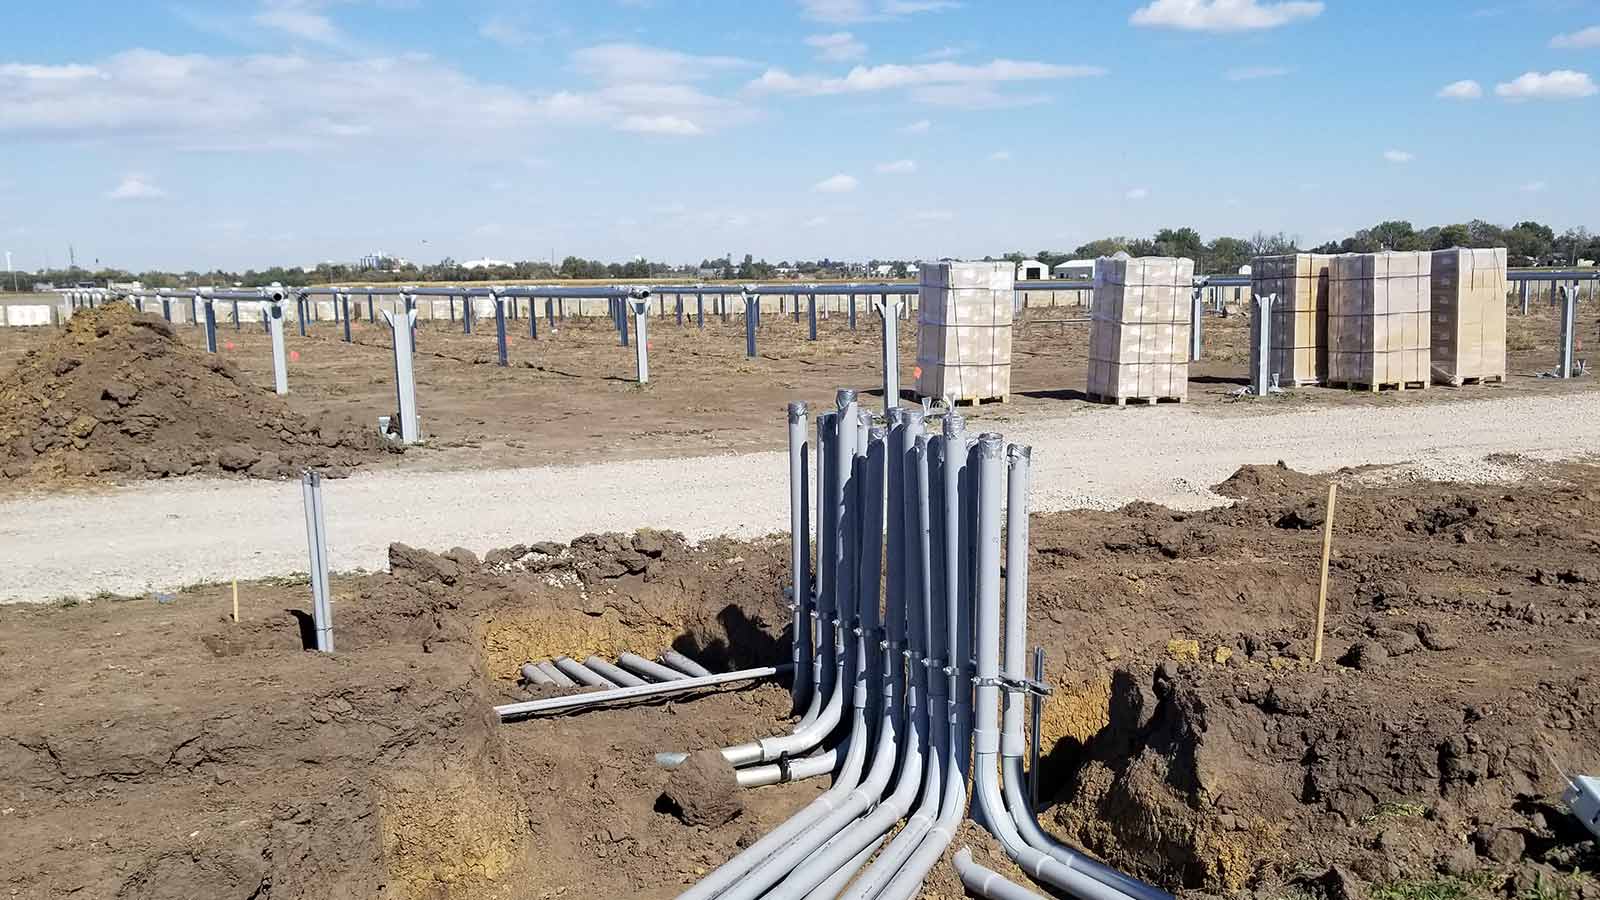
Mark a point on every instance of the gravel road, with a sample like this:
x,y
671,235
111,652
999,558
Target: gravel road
x,y
162,535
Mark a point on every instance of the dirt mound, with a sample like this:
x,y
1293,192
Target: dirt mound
x,y
1256,481
117,394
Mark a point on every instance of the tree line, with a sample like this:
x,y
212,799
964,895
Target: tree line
x,y
1527,244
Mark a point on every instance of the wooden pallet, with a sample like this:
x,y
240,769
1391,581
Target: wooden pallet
x,y
1136,401
1397,386
1482,379
959,401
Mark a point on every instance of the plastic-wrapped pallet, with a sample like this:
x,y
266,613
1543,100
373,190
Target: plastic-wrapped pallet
x,y
1298,336
1469,315
1139,329
964,312
1378,320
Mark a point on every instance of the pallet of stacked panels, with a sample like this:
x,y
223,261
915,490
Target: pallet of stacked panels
x,y
1378,321
964,317
1139,330
1469,316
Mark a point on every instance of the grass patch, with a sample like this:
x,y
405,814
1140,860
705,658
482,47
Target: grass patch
x,y
1473,887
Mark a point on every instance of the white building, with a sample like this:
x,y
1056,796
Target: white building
x,y
1032,270
484,263
1074,268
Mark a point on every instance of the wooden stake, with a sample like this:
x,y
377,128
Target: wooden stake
x,y
1327,547
236,599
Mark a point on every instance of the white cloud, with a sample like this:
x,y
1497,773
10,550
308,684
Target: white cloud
x,y
933,215
1584,39
1561,84
506,32
844,12
135,187
1466,89
1399,156
628,63
815,222
291,101
1223,15
1137,193
1000,156
946,52
898,167
1253,73
973,96
660,125
837,184
921,126
297,19
1534,187
840,46
863,79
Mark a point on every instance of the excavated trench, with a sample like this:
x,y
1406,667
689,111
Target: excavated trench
x,y
158,749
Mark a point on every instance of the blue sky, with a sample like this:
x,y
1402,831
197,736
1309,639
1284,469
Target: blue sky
x,y
259,132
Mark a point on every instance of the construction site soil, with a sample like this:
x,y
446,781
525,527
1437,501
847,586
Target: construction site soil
x,y
117,393
152,747
571,396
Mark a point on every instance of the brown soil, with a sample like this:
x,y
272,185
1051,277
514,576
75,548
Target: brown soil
x,y
570,396
117,393
158,749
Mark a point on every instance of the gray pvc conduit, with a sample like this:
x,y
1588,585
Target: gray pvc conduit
x,y
942,794
835,594
684,664
586,677
532,675
556,675
802,687
763,881
622,677
986,882
1012,742
908,881
654,671
842,852
729,880
828,890
986,735
823,664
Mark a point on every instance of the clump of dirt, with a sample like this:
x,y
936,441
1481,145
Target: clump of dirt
x,y
704,791
117,394
1198,743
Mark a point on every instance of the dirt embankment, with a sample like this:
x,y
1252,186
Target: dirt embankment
x,y
158,749
118,395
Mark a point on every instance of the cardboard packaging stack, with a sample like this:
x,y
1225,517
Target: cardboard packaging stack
x,y
964,313
1298,336
1469,314
1378,319
1139,330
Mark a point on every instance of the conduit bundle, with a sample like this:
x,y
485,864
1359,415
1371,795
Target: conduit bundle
x,y
898,674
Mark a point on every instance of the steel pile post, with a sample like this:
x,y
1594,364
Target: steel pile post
x,y
1524,291
679,309
301,314
640,306
1197,320
1261,338
801,601
469,312
317,541
533,316
342,303
211,323
372,316
699,310
888,308
852,312
401,325
750,301
811,314
236,323
166,309
1568,297
499,326
618,304
722,307
280,360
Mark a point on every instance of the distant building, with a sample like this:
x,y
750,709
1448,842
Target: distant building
x,y
1074,268
383,262
884,271
1031,270
1244,269
485,263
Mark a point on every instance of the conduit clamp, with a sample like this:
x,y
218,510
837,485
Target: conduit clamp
x,y
1023,686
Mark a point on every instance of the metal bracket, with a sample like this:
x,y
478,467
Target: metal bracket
x,y
1023,686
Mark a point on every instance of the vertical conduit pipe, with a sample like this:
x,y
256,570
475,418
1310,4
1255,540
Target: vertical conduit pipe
x,y
800,599
1019,460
